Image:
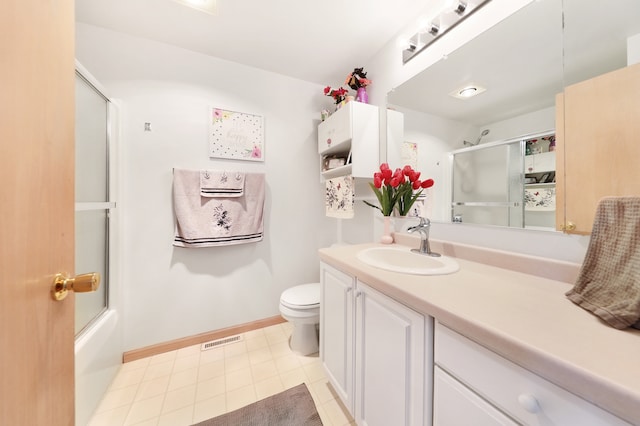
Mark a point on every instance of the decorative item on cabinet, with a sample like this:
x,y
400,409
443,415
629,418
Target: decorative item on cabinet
x,y
552,142
330,162
358,81
339,95
362,96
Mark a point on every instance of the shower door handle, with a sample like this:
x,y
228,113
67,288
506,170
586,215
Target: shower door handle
x,y
84,283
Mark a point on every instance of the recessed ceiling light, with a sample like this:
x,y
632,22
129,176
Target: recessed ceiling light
x,y
208,6
467,91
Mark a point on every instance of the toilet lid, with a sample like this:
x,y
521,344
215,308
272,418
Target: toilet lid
x,y
301,296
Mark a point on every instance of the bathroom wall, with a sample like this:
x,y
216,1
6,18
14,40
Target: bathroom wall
x,y
170,292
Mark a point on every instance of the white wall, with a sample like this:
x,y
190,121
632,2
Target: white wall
x,y
171,292
633,49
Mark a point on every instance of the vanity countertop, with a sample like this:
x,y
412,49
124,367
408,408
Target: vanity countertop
x,y
524,317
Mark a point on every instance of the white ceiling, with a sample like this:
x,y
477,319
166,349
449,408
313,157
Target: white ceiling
x,y
315,41
519,60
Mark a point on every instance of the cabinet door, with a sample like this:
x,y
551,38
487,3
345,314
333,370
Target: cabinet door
x,y
365,146
336,331
598,150
389,361
456,405
335,132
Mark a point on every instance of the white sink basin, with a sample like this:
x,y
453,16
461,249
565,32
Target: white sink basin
x,y
403,260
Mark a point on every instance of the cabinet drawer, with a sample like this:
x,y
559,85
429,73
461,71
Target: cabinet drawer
x,y
455,404
335,131
520,393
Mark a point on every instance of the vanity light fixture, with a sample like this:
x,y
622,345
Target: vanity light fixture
x,y
207,6
467,91
434,29
460,7
451,14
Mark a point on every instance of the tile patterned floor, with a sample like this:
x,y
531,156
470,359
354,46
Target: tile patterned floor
x,y
187,386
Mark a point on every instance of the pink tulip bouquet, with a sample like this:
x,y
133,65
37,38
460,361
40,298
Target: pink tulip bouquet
x,y
400,188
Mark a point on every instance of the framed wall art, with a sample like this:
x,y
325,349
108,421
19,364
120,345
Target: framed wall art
x,y
236,135
409,154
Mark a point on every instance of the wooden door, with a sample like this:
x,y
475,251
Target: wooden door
x,y
597,144
36,211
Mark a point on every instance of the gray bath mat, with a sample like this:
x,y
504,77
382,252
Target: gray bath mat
x,y
293,407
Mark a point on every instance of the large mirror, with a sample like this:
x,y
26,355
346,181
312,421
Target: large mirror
x,y
493,153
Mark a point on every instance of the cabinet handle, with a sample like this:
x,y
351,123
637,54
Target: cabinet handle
x,y
358,293
529,403
348,290
569,226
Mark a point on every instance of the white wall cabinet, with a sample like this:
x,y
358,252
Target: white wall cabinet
x,y
539,163
352,133
479,373
378,358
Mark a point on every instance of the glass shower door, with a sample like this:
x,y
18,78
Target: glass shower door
x,y
487,185
92,198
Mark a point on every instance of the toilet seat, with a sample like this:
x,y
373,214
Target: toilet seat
x,y
301,297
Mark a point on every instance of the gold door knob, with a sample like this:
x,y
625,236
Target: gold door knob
x,y
84,283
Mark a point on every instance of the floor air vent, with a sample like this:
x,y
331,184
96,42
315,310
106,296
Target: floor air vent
x,y
220,342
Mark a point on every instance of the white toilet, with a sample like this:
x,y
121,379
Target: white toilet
x,y
300,305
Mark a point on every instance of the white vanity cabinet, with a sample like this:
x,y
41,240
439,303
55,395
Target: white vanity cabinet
x,y
389,361
351,133
469,375
376,352
456,404
336,331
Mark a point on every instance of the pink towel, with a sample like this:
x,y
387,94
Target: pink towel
x,y
210,222
221,184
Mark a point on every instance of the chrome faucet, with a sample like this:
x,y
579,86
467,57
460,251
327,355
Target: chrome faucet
x,y
423,228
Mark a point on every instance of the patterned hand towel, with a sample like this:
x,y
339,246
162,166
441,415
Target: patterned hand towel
x,y
210,222
609,281
339,197
221,184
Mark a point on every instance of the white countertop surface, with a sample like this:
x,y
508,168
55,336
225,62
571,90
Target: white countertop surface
x,y
521,316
